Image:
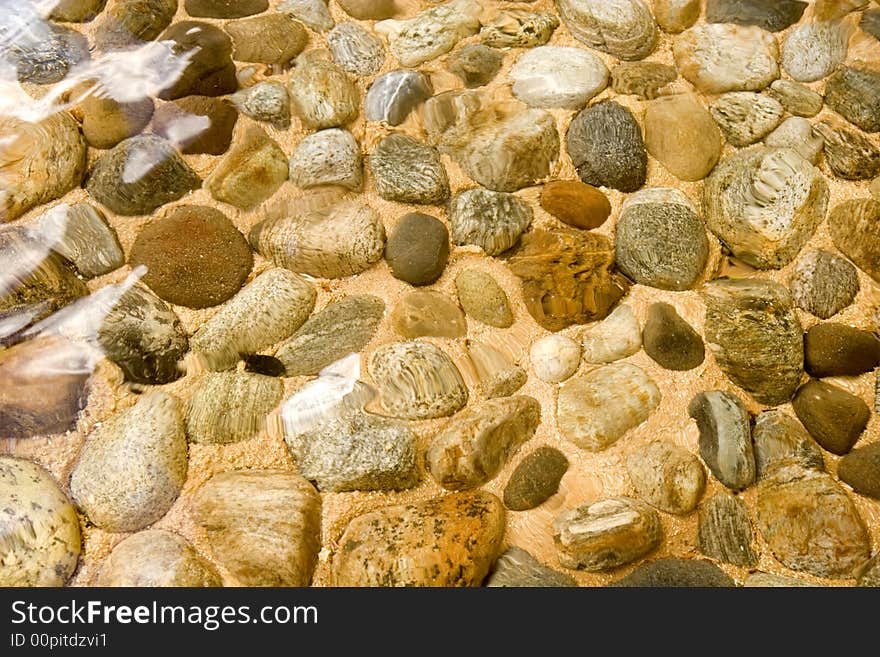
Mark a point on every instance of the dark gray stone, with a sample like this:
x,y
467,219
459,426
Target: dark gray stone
x,y
517,568
535,479
669,573
855,94
671,341
725,437
418,249
770,15
832,349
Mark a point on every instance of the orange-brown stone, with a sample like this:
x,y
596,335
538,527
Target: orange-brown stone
x,y
575,203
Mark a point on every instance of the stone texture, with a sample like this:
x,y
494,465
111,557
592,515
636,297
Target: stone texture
x,y
769,580
408,171
107,121
394,95
823,283
675,16
321,93
422,313
475,64
623,28
849,154
39,52
356,49
448,541
209,69
606,534
127,23
645,80
228,407
869,573
328,157
76,11
535,479
273,542
781,440
798,134
133,466
483,298
746,117
625,394
197,124
267,102
725,437
224,8
517,568
809,523
812,51
499,376
314,13
251,172
472,448
368,9
833,416
82,234
852,225
558,76
772,16
342,327
567,277
796,98
491,220
40,536
156,558
681,134
670,341
870,23
575,203
861,470
269,39
667,477
674,572
832,349
518,28
615,337
725,531
418,249
555,358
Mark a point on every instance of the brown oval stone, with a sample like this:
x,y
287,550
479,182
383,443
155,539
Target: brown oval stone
x,y
575,203
833,349
195,257
197,124
833,416
861,470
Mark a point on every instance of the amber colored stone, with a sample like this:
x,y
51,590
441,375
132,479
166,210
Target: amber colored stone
x,y
575,203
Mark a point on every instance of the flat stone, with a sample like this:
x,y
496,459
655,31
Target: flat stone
x,y
41,533
567,277
139,175
341,328
725,438
483,298
667,477
823,283
432,32
725,531
670,341
518,28
228,407
267,310
558,76
660,240
781,440
772,16
675,16
555,358
764,204
328,157
268,102
606,534
798,134
133,465
274,543
861,470
394,95
491,220
224,8
852,225
832,349
418,249
314,13
644,80
850,155
674,572
683,136
716,58
422,313
575,203
615,337
499,376
328,239
796,98
209,69
809,523
356,49
517,568
813,50
144,337
417,381
251,172
833,416
156,558
130,22
746,117
321,93
448,541
535,479
623,28
197,124
606,147
625,394
269,39
475,64
82,234
194,256
408,171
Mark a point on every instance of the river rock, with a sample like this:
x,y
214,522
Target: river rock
x,y
634,395
394,95
417,381
209,68
850,155
869,572
41,532
322,95
823,283
265,311
40,52
870,23
39,162
499,376
491,220
558,76
107,121
418,249
567,277
355,49
128,23
781,440
76,11
82,234
341,328
535,479
133,465
197,124
225,8
422,313
852,225
483,298
143,335
328,157
745,116
518,28
645,80
660,240
681,134
667,477
449,541
314,13
474,447
861,470
725,531
606,534
725,437
517,568
139,175
555,358
269,39
251,172
194,256
719,57
606,147
268,102
332,240
675,16
408,171
622,28
475,64
615,337
670,341
273,543
764,204
833,416
796,98
798,134
674,572
809,523
156,558
432,32
369,9
813,50
228,407
575,203
771,16
838,350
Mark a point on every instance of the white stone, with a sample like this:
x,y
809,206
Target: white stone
x,y
615,337
432,32
554,76
555,358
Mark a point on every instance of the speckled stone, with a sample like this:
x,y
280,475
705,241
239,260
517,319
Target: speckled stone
x,y
644,80
746,117
418,249
251,172
667,477
156,558
860,469
725,531
681,134
422,313
535,479
356,49
781,440
394,95
850,155
674,572
41,537
770,580
483,298
328,157
833,416
517,568
209,69
670,341
321,93
269,39
475,64
813,50
823,283
852,225
197,124
491,220
575,203
555,358
265,101
725,437
408,171
796,98
869,572
518,28
228,407
833,349
622,28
